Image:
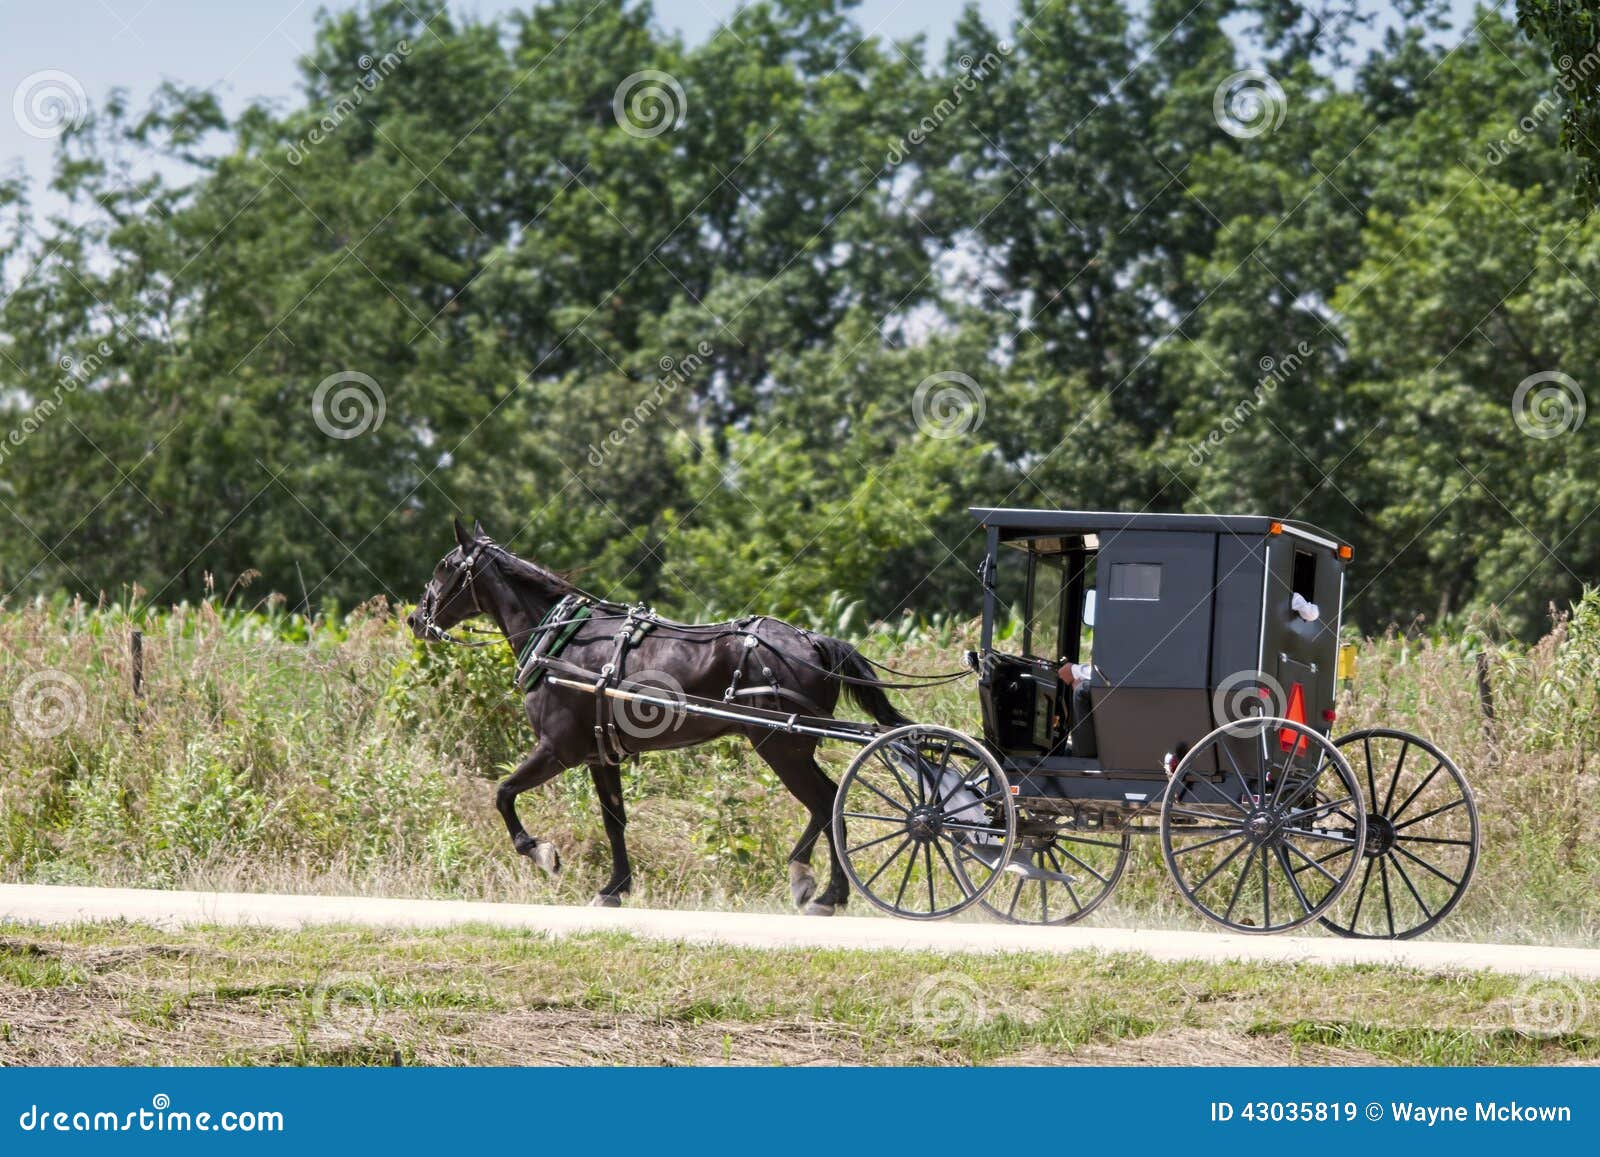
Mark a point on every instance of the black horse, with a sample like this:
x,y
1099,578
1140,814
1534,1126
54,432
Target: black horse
x,y
757,661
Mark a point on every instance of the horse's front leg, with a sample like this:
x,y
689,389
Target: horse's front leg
x,y
608,790
541,766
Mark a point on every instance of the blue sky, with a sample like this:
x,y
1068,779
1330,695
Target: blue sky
x,y
248,49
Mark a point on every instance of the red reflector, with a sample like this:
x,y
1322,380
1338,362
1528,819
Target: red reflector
x,y
1295,713
1329,715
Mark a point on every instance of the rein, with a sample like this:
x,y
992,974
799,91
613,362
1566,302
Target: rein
x,y
618,612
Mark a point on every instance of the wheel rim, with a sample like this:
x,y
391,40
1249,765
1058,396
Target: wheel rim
x,y
1271,838
923,822
1068,874
1422,837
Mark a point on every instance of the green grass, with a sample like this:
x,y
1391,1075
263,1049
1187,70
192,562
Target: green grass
x,y
126,994
273,753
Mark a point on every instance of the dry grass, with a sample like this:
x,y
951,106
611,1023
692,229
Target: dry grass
x,y
275,754
131,995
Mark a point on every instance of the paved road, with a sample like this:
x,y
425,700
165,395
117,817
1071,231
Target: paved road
x,y
58,905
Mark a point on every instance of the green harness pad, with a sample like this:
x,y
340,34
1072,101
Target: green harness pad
x,y
555,645
544,645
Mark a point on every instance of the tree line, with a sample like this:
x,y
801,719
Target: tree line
x,y
732,325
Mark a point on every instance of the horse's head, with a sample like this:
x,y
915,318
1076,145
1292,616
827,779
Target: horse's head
x,y
450,596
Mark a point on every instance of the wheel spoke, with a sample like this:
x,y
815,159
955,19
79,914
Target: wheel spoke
x,y
872,787
1199,778
1323,809
1226,860
1388,901
1327,837
911,863
1227,834
949,866
1294,882
912,797
870,816
1310,863
1405,746
1428,866
1066,878
944,763
1051,852
893,856
1400,811
1361,896
1266,893
1433,840
1430,814
1405,876
1238,888
927,860
872,843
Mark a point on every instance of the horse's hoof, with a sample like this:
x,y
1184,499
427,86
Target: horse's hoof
x,y
546,856
601,900
802,884
816,909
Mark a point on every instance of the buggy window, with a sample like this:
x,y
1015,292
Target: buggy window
x,y
1135,581
1304,582
1043,638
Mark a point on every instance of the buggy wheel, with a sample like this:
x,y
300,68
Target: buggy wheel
x,y
1058,875
1422,837
1262,825
923,821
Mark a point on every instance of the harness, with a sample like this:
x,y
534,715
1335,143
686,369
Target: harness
x,y
566,618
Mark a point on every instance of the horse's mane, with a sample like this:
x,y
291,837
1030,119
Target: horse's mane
x,y
523,568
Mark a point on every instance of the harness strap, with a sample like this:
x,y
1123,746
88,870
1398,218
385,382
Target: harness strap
x,y
560,623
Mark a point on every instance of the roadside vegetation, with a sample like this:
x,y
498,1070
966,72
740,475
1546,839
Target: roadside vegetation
x,y
269,751
122,994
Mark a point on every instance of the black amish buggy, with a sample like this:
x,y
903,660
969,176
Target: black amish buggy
x,y
1174,675
1164,674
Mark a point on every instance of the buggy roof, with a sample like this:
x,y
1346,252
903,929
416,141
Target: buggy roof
x,y
1106,521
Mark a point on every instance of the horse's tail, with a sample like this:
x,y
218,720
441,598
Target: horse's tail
x,y
847,664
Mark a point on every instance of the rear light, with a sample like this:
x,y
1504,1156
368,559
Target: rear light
x,y
1329,715
1346,553
1275,528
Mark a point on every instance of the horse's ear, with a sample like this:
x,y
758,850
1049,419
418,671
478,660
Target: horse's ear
x,y
463,539
478,531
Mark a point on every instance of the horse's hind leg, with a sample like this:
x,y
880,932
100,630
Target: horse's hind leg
x,y
540,767
796,765
608,790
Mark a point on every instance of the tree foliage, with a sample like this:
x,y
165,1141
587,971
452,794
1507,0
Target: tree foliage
x,y
732,325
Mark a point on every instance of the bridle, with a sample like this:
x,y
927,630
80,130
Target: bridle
x,y
426,612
